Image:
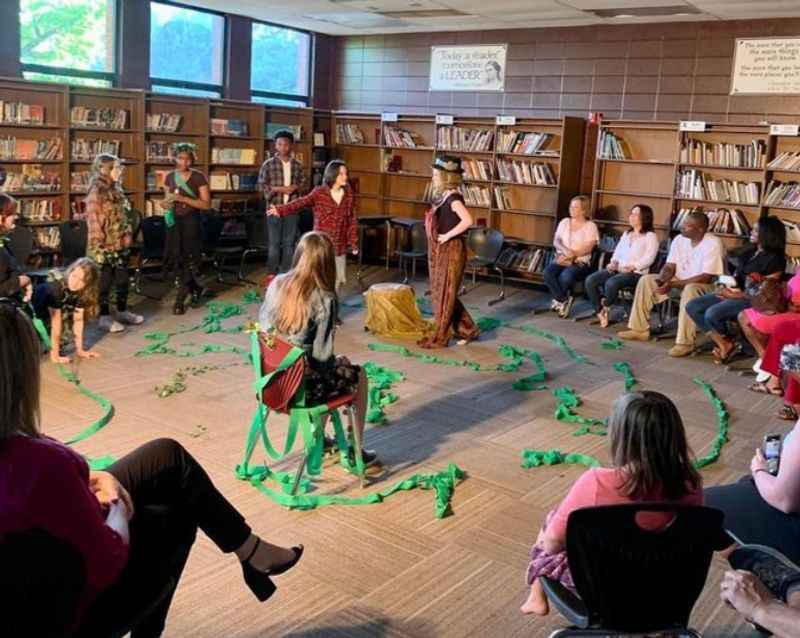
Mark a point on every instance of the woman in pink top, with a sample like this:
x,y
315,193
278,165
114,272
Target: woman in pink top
x,y
651,462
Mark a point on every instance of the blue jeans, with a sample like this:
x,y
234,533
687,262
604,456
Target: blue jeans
x,y
560,279
712,313
281,240
604,284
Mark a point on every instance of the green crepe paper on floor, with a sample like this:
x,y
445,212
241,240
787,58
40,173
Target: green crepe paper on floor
x,y
380,381
624,368
443,483
251,296
357,302
612,344
567,400
536,458
722,423
487,324
556,339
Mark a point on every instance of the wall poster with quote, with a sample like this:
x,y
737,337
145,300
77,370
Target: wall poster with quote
x,y
766,66
468,68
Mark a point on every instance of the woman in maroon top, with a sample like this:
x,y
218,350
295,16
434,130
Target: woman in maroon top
x,y
446,223
133,525
334,213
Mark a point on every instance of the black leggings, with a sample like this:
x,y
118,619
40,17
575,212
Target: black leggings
x,y
185,250
752,520
118,278
172,497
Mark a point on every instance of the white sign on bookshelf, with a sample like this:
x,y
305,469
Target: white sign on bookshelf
x,y
692,125
388,117
468,68
444,120
784,129
505,120
766,66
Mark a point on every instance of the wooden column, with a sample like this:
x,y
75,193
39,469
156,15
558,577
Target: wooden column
x,y
237,58
133,53
9,43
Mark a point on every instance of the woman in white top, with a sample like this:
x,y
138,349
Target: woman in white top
x,y
575,239
634,254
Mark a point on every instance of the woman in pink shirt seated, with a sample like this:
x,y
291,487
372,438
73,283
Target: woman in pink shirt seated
x,y
131,556
651,463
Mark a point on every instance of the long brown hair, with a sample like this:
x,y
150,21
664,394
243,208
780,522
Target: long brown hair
x,y
90,292
19,373
313,268
648,440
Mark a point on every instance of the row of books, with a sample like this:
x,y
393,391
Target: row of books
x,y
457,138
522,172
79,181
477,169
792,264
695,184
503,198
403,138
244,156
159,152
85,149
476,195
21,113
349,134
788,161
223,181
13,148
752,155
524,143
40,210
792,233
222,126
720,220
31,179
47,237
271,128
786,194
163,122
613,147
98,117
528,260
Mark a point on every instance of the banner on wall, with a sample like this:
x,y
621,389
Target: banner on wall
x,y
766,66
468,68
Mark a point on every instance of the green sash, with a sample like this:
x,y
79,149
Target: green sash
x,y
169,215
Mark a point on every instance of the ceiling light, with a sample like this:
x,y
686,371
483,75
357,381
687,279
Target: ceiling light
x,y
646,12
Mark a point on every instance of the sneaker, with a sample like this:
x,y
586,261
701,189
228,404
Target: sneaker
x,y
680,350
369,457
634,335
771,567
131,318
761,376
109,324
555,305
566,307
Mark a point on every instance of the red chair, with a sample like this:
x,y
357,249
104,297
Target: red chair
x,y
279,387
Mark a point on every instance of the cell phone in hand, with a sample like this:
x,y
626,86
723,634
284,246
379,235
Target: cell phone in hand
x,y
772,452
727,281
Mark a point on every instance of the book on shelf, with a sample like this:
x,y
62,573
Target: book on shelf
x,y
392,163
98,117
457,138
720,220
476,195
40,210
77,208
694,184
153,207
222,155
394,136
785,194
787,161
13,148
48,238
86,150
319,139
271,128
524,143
32,178
792,264
155,179
159,152
523,172
236,128
503,198
750,155
477,169
79,181
613,147
792,232
528,260
163,122
349,134
224,181
21,113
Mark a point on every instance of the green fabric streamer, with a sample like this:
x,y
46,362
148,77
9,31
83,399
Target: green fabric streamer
x,y
443,483
380,381
487,324
558,340
722,423
251,296
536,458
624,368
612,344
567,400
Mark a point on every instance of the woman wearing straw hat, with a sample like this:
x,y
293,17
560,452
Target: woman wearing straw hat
x,y
446,224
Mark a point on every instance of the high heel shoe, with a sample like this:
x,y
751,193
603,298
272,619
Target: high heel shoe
x,y
259,581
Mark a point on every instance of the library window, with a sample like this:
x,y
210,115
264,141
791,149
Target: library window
x,y
70,41
186,50
280,65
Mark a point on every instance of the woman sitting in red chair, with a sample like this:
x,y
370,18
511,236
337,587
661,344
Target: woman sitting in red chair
x,y
301,307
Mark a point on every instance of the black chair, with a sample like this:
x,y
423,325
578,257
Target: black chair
x,y
634,581
256,225
217,250
418,250
486,244
74,240
152,251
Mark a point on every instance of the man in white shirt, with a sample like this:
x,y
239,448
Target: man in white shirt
x,y
695,260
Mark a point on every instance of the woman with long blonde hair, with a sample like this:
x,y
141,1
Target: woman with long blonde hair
x,y
301,306
446,225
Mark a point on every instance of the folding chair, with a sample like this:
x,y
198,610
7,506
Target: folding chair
x,y
279,387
